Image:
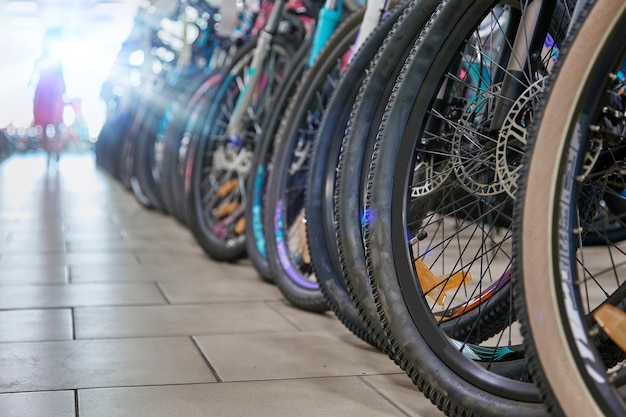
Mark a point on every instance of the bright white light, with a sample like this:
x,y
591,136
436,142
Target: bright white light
x,y
136,58
69,116
22,7
191,13
87,48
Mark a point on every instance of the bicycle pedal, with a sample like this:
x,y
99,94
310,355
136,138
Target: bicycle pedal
x,y
240,226
227,188
225,209
303,241
430,282
613,321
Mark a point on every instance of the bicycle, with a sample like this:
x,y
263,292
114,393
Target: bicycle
x,y
381,56
438,189
219,157
570,295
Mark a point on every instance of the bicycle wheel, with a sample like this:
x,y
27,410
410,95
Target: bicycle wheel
x,y
216,199
261,165
147,151
284,222
576,161
177,137
320,211
438,206
364,120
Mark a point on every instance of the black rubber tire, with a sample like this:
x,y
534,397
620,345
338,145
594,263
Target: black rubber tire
x,y
357,142
321,211
551,298
455,383
300,286
187,116
144,169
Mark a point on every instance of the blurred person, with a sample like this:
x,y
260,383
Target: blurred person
x,y
49,99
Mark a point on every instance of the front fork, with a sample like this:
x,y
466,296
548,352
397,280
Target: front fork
x,y
235,124
524,56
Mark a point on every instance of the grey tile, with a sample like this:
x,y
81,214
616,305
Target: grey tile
x,y
152,273
241,269
401,391
37,248
244,357
155,244
38,404
346,397
42,274
110,234
171,320
171,258
219,290
71,295
305,320
35,325
10,261
100,363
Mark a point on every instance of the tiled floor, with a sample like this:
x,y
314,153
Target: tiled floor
x,y
107,309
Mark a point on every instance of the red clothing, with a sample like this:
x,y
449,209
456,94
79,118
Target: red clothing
x,y
48,103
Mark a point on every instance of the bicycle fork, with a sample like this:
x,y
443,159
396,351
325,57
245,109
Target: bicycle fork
x,y
235,124
525,52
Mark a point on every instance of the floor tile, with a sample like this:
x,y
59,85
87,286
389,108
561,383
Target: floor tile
x,y
190,259
100,363
219,290
77,295
401,391
38,404
178,320
304,320
41,274
152,273
10,261
345,397
160,329
35,325
244,357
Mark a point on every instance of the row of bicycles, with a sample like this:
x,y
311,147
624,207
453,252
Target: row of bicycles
x,y
446,176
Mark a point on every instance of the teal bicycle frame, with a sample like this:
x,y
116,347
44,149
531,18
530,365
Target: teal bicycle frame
x,y
329,18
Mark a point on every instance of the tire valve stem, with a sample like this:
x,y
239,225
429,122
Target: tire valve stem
x,y
421,235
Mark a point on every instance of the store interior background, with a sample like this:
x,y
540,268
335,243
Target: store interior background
x,y
93,31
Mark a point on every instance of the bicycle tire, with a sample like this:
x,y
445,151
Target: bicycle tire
x,y
144,168
320,211
177,137
299,286
448,372
365,118
261,165
552,312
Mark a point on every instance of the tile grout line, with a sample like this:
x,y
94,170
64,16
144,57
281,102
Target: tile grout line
x,y
389,400
163,294
206,360
287,319
76,403
137,257
73,317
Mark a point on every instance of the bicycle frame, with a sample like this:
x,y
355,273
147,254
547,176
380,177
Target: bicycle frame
x,y
328,19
